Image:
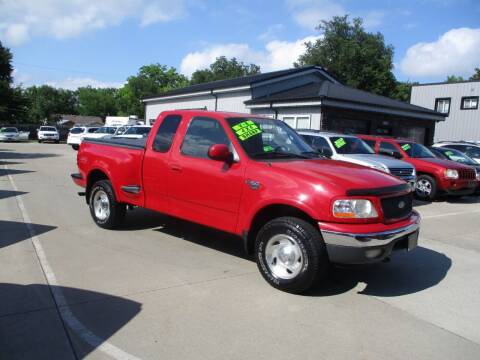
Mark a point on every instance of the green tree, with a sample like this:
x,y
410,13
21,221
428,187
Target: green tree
x,y
12,101
150,80
402,91
353,56
46,101
222,69
97,102
476,76
453,79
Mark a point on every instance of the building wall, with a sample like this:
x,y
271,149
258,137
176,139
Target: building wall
x,y
314,113
234,102
460,124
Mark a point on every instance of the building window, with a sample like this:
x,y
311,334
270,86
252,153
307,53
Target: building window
x,y
297,121
442,105
469,103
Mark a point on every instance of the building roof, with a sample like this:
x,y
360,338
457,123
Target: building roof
x,y
340,93
236,82
446,83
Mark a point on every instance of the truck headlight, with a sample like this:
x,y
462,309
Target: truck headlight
x,y
478,174
354,209
451,174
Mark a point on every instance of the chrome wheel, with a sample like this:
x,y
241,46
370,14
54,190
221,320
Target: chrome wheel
x,y
283,256
424,187
101,205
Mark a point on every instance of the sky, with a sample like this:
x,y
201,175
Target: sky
x,y
71,43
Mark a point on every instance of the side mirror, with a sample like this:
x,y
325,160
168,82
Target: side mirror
x,y
397,155
325,152
220,152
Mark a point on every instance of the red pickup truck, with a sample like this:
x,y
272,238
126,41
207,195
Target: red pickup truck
x,y
434,176
256,178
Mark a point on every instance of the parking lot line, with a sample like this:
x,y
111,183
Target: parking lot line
x,y
450,214
59,299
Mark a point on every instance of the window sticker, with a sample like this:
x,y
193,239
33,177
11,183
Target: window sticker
x,y
267,148
449,153
246,130
405,147
339,143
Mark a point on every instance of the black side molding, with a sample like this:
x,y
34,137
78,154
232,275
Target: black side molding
x,y
131,189
380,191
77,176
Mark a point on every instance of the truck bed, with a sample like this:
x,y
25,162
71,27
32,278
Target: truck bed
x,y
119,142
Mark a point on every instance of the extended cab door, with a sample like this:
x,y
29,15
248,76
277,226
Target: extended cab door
x,y
201,189
155,164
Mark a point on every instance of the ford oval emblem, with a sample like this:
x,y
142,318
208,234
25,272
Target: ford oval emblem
x,y
401,204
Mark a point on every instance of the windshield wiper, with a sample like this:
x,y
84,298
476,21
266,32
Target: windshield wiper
x,y
281,153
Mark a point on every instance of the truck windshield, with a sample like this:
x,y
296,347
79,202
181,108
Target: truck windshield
x,y
350,145
47,128
415,150
269,138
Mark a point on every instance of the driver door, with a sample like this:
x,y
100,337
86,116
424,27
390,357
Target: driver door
x,y
201,189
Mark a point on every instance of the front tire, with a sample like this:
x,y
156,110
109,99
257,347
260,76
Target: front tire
x,y
39,141
291,255
75,147
104,208
426,188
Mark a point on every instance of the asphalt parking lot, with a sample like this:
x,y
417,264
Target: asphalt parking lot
x,y
161,288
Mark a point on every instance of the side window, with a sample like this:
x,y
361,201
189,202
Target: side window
x,y
166,131
370,143
388,149
322,146
201,134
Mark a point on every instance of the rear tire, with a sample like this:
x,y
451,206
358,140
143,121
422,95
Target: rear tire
x,y
75,147
291,254
426,188
104,208
39,141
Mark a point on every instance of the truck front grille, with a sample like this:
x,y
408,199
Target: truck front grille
x,y
397,207
467,174
402,172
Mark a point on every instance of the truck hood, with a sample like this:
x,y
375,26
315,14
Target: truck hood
x,y
335,174
447,164
375,160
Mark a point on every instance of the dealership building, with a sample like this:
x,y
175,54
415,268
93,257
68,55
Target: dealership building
x,y
305,98
458,102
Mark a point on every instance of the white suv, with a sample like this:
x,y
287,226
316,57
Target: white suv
x,y
77,133
48,133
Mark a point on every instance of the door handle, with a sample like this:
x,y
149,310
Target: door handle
x,y
175,167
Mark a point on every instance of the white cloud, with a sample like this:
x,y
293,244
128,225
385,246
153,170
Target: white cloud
x,y
20,20
277,55
455,52
309,13
75,83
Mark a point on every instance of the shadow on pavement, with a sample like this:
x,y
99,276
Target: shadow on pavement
x,y
30,327
14,155
8,163
5,172
12,232
406,273
4,194
463,200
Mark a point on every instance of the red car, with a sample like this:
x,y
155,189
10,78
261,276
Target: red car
x,y
257,178
434,176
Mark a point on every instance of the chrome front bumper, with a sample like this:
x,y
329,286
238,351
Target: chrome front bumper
x,y
350,248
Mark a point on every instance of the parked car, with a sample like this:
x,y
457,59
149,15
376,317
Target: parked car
x,y
472,150
77,133
136,132
434,176
256,178
48,133
458,156
9,134
102,132
353,149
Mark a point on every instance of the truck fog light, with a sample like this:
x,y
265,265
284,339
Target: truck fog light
x,y
373,253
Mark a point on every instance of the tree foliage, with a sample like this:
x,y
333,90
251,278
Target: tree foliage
x,y
402,91
96,102
353,56
46,101
476,75
222,69
454,79
151,80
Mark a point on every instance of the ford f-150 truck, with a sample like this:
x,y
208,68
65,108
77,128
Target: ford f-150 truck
x,y
255,177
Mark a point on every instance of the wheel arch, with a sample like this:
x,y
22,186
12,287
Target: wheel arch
x,y
270,212
94,176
